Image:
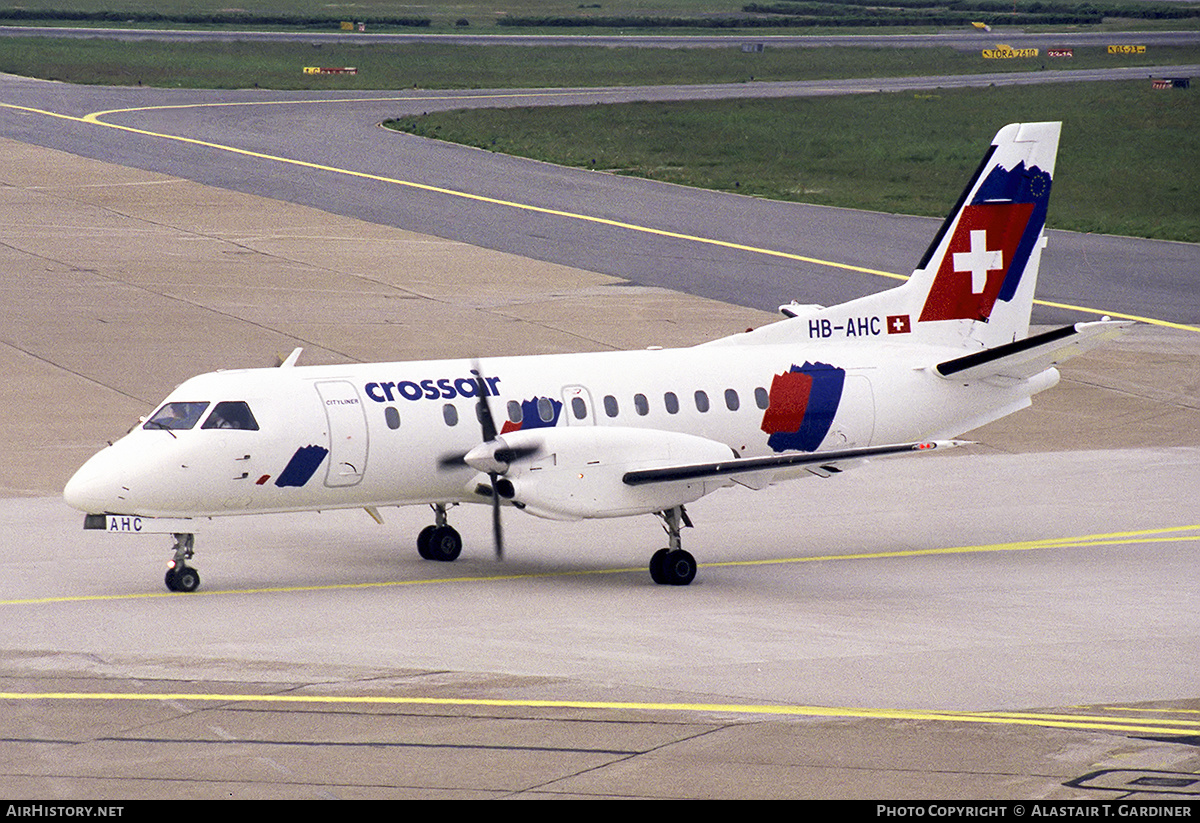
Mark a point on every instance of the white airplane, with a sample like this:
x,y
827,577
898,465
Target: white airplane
x,y
615,434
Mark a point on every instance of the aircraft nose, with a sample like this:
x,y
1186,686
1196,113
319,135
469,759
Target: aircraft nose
x,y
94,488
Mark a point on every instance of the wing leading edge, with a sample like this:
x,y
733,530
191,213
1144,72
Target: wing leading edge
x,y
753,465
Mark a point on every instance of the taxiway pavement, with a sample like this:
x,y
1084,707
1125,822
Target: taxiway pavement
x,y
325,150
1014,620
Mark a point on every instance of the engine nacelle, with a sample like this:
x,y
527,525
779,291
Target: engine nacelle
x,y
575,473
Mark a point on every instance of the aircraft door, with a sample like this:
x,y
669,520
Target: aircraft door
x,y
347,433
854,425
578,403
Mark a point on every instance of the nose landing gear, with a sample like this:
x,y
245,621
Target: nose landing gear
x,y
180,576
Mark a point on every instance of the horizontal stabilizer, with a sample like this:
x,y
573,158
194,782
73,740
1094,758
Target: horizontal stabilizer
x,y
1023,359
750,465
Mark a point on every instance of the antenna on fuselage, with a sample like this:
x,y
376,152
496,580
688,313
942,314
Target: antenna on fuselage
x,y
291,359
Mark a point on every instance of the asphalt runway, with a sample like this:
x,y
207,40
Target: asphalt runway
x,y
1016,620
963,40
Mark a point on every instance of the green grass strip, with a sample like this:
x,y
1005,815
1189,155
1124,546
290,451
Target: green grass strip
x,y
224,65
1127,163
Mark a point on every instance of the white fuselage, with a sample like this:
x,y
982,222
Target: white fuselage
x,y
379,434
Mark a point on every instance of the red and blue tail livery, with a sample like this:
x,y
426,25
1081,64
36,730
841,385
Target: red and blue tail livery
x,y
991,245
802,404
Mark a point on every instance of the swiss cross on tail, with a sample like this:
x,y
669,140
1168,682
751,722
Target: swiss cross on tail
x,y
991,244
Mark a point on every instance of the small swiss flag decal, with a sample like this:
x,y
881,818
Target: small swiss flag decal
x,y
898,324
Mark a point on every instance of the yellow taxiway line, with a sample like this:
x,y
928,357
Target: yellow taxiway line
x,y
95,119
1173,534
1089,722
1139,725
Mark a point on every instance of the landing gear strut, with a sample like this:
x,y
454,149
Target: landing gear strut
x,y
672,565
180,576
439,541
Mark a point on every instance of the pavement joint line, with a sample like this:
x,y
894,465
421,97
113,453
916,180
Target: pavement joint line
x,y
1061,721
95,119
1172,534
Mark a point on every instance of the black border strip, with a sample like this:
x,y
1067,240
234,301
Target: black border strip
x,y
962,199
958,364
752,464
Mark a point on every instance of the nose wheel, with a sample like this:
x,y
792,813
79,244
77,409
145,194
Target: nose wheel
x,y
180,576
186,579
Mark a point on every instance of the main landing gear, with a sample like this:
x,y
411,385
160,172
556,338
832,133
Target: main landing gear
x,y
180,576
673,566
439,541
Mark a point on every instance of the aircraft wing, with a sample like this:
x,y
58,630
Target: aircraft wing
x,y
1023,359
777,462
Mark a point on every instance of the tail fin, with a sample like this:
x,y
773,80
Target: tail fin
x,y
974,286
978,277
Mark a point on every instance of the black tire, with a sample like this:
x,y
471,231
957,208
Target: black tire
x,y
679,568
182,579
445,544
423,540
658,572
187,579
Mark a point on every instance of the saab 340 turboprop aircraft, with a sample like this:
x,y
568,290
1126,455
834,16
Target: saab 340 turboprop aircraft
x,y
615,434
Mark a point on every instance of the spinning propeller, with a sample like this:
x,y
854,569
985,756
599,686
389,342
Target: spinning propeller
x,y
493,456
488,425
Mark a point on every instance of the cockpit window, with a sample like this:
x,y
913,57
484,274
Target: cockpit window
x,y
177,416
231,414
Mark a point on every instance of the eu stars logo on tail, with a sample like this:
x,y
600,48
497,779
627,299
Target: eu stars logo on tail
x,y
615,434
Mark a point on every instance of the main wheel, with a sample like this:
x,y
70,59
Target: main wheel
x,y
445,544
658,572
679,568
423,539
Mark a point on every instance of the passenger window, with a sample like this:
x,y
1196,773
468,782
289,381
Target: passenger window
x,y
641,405
732,402
578,408
701,401
515,414
671,402
450,414
177,416
392,416
761,398
545,409
610,405
231,414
